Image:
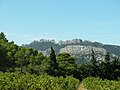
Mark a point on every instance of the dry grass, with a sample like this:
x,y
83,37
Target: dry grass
x,y
81,87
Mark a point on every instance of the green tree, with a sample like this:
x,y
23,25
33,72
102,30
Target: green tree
x,y
107,58
93,59
37,64
53,58
3,36
3,61
115,66
67,64
53,65
94,65
106,67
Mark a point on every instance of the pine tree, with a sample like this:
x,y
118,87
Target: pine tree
x,y
107,58
106,67
53,65
93,67
53,58
93,59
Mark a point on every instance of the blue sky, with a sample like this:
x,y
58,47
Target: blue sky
x,y
26,20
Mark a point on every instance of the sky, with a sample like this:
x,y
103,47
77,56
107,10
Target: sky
x,y
23,21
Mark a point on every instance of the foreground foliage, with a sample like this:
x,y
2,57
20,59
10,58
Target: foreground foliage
x,y
17,81
92,83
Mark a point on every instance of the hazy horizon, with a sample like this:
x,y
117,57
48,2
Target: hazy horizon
x,y
26,20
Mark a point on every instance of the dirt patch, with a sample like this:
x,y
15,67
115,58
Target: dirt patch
x,y
81,87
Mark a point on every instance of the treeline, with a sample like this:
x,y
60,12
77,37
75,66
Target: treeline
x,y
27,60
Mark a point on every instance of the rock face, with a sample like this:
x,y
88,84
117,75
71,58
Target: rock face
x,y
74,41
81,52
78,49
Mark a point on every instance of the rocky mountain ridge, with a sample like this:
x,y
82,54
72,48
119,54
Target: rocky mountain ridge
x,y
76,47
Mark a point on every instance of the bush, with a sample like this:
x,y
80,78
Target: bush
x,y
17,81
92,83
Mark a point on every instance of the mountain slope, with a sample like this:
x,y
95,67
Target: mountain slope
x,y
76,47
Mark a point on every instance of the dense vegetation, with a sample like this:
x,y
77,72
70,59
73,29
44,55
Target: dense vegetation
x,y
17,81
31,63
92,83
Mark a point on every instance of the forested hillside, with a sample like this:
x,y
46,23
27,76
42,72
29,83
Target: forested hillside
x,y
34,67
44,44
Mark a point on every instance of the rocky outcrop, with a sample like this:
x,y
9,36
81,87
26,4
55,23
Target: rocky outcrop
x,y
74,41
79,49
81,52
